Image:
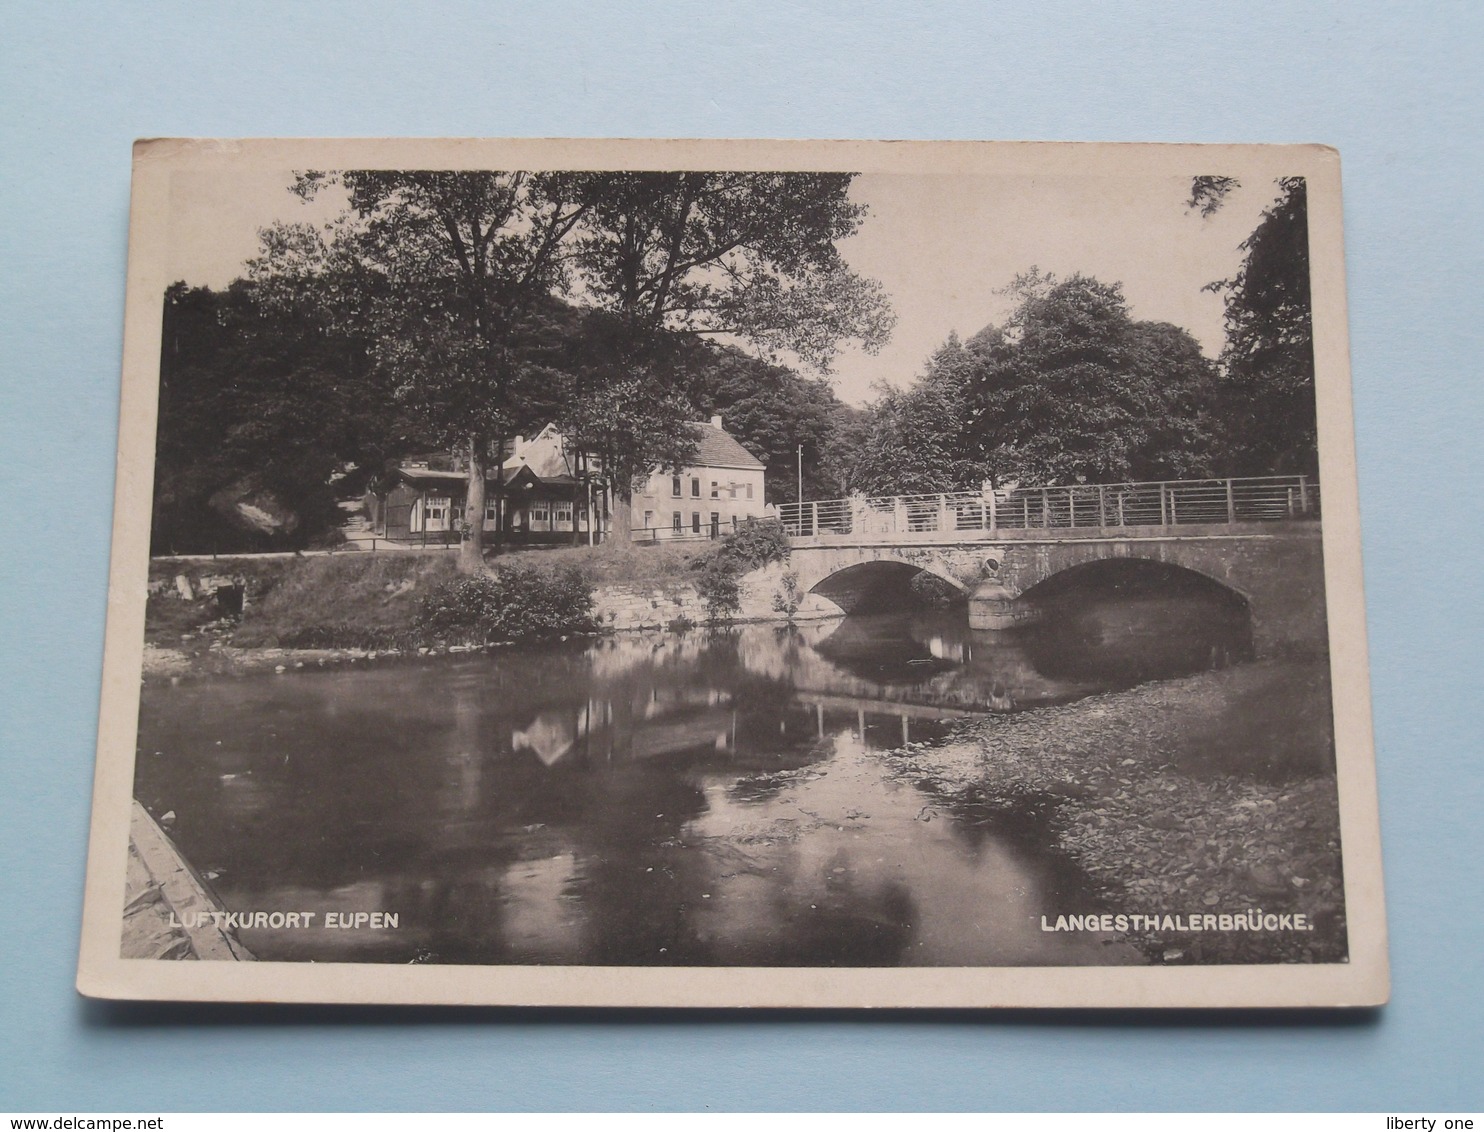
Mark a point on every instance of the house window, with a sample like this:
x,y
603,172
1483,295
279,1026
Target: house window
x,y
715,524
678,522
538,512
491,511
675,486
564,513
715,491
695,487
749,491
648,519
695,521
435,513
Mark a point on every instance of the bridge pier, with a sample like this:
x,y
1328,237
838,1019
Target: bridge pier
x,y
992,606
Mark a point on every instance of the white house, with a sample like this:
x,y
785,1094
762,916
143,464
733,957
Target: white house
x,y
723,487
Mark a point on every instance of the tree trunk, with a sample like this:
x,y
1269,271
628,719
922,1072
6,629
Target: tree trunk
x,y
577,502
620,530
471,550
501,516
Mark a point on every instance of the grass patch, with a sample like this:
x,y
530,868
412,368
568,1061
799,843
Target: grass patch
x,y
167,619
360,601
633,564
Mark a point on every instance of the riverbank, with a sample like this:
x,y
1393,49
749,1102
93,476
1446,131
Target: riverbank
x,y
230,617
1208,795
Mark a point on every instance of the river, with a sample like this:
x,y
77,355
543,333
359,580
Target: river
x,y
692,799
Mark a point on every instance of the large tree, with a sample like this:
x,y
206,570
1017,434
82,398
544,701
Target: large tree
x,y
1073,388
919,438
1268,362
444,268
456,261
750,257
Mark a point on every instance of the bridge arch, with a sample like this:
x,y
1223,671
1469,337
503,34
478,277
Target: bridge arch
x,y
882,582
1141,614
1137,574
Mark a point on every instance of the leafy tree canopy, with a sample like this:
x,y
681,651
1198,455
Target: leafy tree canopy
x,y
749,255
1268,363
263,404
1073,388
919,439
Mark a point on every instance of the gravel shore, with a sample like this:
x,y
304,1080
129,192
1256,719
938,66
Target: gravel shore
x,y
1208,795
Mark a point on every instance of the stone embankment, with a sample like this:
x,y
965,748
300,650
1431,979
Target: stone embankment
x,y
765,596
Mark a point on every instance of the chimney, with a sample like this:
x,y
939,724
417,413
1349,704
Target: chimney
x,y
716,421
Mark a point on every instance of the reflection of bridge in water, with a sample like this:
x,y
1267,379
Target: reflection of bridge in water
x,y
1257,538
900,711
746,695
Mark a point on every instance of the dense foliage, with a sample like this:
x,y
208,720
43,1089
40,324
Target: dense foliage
x,y
753,545
463,308
1268,363
1073,388
441,269
1070,388
514,603
261,406
918,439
456,310
264,402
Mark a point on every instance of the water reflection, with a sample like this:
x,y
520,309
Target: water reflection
x,y
687,799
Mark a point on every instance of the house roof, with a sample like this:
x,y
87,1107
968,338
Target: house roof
x,y
545,452
431,475
719,449
545,458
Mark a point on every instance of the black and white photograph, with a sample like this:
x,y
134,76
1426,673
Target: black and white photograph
x,y
735,573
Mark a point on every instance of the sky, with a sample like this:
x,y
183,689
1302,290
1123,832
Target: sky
x,y
942,246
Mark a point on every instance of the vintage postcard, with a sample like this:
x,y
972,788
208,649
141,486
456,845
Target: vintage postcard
x,y
728,573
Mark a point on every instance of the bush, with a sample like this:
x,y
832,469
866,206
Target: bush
x,y
516,603
756,543
789,596
719,587
337,601
751,546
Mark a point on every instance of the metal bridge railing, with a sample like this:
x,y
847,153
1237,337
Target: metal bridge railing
x,y
1252,499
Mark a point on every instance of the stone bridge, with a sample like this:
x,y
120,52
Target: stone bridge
x,y
1260,541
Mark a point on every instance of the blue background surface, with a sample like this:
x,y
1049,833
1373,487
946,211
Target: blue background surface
x,y
1395,86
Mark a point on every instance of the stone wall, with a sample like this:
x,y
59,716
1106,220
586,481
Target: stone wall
x,y
765,594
